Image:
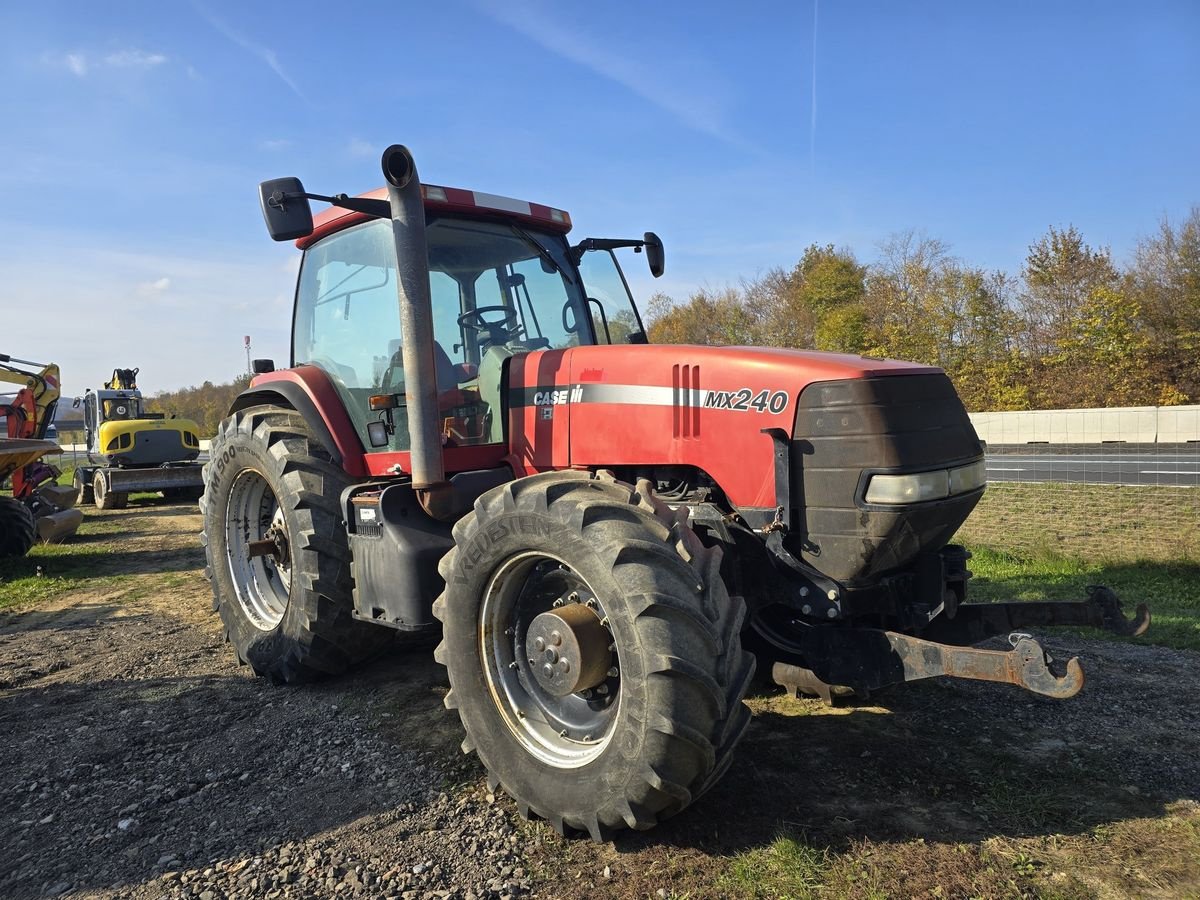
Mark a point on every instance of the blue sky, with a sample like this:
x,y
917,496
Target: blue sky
x,y
135,134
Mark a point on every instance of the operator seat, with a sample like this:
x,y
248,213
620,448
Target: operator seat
x,y
446,372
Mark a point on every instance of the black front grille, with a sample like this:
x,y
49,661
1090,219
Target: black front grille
x,y
846,430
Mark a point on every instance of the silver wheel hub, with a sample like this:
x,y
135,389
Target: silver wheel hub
x,y
258,550
550,660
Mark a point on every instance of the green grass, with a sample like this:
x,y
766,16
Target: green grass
x,y
53,569
1170,589
785,869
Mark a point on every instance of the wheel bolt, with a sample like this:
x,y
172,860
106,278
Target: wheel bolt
x,y
613,673
564,665
573,596
548,670
592,604
539,644
602,689
514,664
509,632
551,655
556,638
557,603
563,733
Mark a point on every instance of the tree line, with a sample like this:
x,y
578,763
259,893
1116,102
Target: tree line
x,y
206,404
1072,329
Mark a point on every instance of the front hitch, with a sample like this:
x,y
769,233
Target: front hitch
x,y
840,660
881,658
974,622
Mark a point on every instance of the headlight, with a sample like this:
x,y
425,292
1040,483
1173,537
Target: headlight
x,y
968,478
920,487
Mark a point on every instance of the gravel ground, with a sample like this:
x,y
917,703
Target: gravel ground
x,y
139,761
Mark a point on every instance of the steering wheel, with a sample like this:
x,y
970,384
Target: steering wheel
x,y
499,331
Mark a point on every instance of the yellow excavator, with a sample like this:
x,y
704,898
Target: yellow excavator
x,y
130,449
38,508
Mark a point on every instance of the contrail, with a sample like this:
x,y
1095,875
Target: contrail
x,y
812,128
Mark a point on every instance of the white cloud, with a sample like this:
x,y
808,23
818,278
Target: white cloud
x,y
266,54
677,96
197,315
81,64
154,288
274,144
134,59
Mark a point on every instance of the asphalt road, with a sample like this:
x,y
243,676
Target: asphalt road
x,y
1174,467
1177,466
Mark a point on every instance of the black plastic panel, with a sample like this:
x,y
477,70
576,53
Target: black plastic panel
x,y
846,430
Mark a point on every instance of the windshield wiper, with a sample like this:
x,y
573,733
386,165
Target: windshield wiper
x,y
541,251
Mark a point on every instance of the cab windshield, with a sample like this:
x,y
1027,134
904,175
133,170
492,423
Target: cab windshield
x,y
497,289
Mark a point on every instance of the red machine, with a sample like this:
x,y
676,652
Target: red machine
x,y
474,435
39,508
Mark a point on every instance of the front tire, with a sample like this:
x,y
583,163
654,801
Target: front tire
x,y
104,498
659,727
18,530
288,614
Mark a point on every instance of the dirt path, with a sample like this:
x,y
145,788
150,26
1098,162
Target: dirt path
x,y
140,761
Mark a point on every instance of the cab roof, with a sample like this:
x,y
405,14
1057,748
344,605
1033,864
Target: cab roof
x,y
443,199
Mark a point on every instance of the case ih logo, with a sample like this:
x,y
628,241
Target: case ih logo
x,y
558,397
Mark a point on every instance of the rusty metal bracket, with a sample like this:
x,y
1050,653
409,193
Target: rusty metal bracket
x,y
860,660
1027,665
973,622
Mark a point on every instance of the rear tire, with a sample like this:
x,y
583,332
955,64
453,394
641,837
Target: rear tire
x,y
84,487
288,616
663,730
106,499
17,528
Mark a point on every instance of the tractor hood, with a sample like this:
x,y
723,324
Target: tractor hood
x,y
842,420
672,404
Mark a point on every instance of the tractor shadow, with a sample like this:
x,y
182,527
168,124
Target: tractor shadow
x,y
945,761
941,760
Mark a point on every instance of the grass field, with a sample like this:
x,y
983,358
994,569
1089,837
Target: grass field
x,y
1171,590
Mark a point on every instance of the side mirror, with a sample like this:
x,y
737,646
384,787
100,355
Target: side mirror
x,y
654,254
285,209
263,366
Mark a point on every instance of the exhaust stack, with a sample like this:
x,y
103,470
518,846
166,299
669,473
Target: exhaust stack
x,y
416,330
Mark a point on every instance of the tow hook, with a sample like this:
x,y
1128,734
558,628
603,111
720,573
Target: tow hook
x,y
857,661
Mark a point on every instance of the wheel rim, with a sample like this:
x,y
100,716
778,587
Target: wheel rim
x,y
566,731
262,583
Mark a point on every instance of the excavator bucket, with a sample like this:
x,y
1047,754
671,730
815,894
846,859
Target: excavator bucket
x,y
54,527
64,496
51,504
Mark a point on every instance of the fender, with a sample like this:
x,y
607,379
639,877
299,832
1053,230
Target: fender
x,y
308,390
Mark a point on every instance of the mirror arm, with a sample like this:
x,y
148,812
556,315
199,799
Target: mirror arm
x,y
602,244
379,209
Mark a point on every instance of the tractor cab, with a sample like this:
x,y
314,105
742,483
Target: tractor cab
x,y
503,281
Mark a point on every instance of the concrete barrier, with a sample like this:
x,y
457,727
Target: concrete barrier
x,y
1130,425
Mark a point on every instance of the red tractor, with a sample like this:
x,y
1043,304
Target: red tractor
x,y
474,435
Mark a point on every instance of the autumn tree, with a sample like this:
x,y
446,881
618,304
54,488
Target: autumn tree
x,y
1061,273
1165,280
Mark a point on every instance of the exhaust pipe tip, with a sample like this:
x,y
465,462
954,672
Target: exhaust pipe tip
x,y
398,165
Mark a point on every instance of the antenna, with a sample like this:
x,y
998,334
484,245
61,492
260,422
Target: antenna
x,y
249,367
